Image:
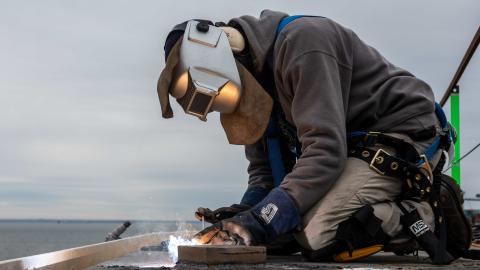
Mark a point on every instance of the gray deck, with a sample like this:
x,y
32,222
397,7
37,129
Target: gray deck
x,y
157,260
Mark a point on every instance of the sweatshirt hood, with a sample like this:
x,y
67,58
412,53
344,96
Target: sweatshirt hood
x,y
260,34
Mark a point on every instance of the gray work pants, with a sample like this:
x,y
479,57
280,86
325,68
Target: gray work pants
x,y
357,186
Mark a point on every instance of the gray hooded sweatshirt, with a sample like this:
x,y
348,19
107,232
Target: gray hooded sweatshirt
x,y
329,83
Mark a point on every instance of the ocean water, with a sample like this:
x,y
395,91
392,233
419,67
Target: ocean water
x,y
20,238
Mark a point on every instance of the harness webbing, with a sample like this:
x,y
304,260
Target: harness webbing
x,y
369,138
286,21
274,153
275,156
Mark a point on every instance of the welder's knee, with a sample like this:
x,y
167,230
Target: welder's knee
x,y
359,236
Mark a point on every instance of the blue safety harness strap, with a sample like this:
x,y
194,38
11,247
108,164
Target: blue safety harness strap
x,y
275,156
274,153
442,118
286,21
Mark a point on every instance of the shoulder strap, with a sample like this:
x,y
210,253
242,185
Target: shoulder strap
x,y
286,21
275,156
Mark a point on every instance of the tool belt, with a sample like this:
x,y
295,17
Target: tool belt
x,y
406,164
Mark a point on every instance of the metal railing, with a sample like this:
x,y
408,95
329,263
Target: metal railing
x,y
85,256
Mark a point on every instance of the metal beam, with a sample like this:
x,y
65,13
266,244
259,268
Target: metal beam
x,y
455,120
84,256
466,59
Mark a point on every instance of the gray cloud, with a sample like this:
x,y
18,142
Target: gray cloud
x,y
81,131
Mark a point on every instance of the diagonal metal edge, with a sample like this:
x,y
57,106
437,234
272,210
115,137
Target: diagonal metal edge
x,y
84,256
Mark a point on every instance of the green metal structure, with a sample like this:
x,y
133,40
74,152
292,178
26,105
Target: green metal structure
x,y
452,92
455,120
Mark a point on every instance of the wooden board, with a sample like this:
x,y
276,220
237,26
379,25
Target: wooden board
x,y
214,254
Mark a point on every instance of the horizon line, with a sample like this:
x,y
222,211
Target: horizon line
x,y
92,220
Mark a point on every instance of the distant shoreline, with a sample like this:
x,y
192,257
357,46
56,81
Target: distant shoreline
x,y
11,220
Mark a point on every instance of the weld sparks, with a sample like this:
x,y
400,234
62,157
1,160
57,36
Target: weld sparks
x,y
173,244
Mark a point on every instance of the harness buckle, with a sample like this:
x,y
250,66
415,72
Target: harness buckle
x,y
377,159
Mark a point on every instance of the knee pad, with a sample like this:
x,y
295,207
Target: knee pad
x,y
359,236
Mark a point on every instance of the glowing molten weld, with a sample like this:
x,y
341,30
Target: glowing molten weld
x,y
173,244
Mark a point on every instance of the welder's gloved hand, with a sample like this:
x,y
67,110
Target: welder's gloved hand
x,y
220,213
276,214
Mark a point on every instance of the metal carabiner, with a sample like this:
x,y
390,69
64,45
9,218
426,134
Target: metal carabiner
x,y
425,166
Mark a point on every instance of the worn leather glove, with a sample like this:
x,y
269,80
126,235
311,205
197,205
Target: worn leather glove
x,y
221,213
242,229
276,214
252,196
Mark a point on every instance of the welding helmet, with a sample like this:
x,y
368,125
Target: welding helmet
x,y
202,74
206,77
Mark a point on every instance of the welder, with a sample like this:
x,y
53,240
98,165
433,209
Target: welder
x,y
345,148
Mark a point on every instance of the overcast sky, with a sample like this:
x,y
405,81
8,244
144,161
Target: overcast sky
x,y
81,134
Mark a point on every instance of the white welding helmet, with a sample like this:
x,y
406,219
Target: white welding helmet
x,y
206,77
202,74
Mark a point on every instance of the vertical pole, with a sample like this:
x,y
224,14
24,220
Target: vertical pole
x,y
455,118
